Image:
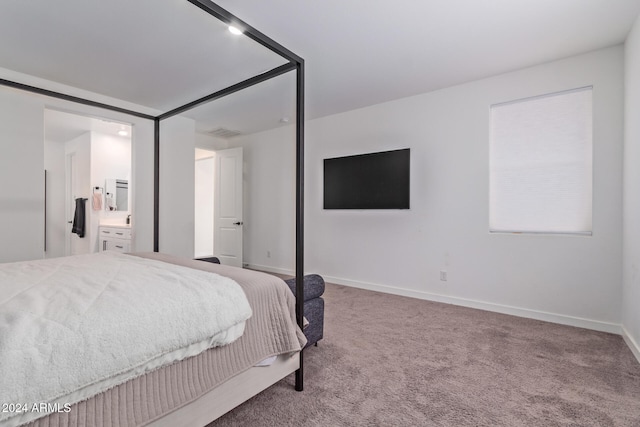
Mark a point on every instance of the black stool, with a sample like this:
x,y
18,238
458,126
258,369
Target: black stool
x,y
313,306
212,259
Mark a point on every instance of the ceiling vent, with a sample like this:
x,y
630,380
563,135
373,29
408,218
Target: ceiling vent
x,y
224,133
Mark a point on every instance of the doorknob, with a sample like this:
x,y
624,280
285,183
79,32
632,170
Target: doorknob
x,y
238,223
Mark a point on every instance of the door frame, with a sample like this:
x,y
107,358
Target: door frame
x,y
201,223
69,181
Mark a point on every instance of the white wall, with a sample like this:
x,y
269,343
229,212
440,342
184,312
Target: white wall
x,y
568,279
22,164
142,140
208,142
54,159
22,177
176,222
631,215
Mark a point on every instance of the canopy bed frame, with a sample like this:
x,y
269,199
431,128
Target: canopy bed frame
x,y
294,62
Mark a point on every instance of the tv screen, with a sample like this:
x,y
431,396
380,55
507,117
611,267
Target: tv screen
x,y
367,181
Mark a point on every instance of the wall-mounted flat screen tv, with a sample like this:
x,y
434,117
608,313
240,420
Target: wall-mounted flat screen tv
x,y
367,181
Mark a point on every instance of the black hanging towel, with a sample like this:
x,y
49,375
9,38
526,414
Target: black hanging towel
x,y
79,218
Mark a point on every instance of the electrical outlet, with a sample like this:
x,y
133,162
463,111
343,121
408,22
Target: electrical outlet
x,y
443,275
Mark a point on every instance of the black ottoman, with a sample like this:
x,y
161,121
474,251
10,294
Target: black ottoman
x,y
313,306
212,259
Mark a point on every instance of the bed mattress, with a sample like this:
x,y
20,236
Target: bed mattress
x,y
270,331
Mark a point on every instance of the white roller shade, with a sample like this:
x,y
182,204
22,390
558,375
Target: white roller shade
x,y
541,164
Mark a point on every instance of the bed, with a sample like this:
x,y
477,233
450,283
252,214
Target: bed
x,y
188,391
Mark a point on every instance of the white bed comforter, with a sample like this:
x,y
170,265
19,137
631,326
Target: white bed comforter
x,y
75,326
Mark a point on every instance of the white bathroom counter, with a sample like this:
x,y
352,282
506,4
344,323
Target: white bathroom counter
x,y
114,225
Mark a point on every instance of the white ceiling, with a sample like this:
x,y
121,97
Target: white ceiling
x,y
60,126
160,54
260,107
364,52
163,53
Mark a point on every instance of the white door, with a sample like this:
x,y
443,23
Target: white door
x,y
227,207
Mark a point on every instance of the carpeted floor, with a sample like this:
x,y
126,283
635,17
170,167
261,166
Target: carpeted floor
x,y
394,361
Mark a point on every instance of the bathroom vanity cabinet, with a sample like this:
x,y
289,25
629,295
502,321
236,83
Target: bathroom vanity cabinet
x,y
115,238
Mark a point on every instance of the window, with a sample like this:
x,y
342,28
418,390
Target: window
x,y
540,163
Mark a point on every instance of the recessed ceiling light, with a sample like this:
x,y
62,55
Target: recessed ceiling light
x,y
235,30
123,132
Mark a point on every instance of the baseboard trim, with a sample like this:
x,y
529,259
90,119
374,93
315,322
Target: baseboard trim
x,y
633,345
483,305
561,319
269,269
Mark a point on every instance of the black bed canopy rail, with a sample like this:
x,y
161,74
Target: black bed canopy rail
x,y
296,63
76,99
267,75
255,35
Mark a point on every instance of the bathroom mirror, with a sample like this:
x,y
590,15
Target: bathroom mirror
x,y
116,195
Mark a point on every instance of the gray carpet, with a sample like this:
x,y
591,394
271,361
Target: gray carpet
x,y
395,361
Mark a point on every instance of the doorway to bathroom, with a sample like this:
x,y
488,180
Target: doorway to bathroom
x,y
83,156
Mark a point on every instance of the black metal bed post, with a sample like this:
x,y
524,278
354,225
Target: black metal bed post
x,y
300,211
223,15
156,184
